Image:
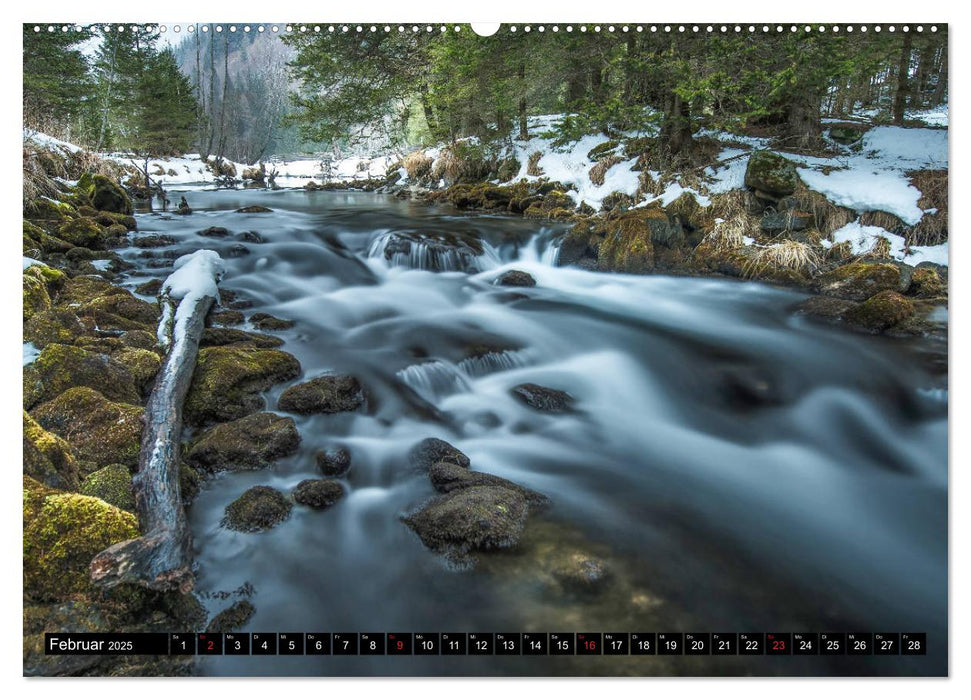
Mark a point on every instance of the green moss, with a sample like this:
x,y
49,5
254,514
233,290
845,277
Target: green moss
x,y
44,209
62,533
859,281
637,146
84,233
112,484
143,365
771,173
108,195
54,326
925,283
81,290
100,431
48,458
252,442
121,311
880,312
630,240
598,152
259,508
227,382
36,297
61,367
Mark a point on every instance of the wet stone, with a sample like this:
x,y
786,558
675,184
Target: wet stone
x,y
332,393
335,462
252,442
431,451
318,493
515,278
258,509
266,322
214,232
543,398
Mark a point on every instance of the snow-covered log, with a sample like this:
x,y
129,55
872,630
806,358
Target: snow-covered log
x,y
161,558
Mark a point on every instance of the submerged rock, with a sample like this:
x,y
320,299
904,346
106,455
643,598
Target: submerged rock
x,y
232,618
581,574
318,493
515,278
48,458
331,393
250,237
61,367
333,462
430,451
259,508
543,398
112,484
253,209
100,431
251,442
266,322
227,382
62,533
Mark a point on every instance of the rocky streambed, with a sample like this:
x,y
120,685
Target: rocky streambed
x,y
408,418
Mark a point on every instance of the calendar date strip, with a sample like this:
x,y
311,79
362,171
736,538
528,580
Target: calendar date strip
x,y
487,643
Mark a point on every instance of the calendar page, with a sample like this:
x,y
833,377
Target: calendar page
x,y
548,349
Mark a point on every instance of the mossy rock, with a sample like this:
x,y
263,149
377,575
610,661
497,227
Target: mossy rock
x,y
771,173
318,493
581,243
629,242
45,209
84,288
84,232
880,312
121,311
109,218
515,278
37,298
447,477
227,317
190,483
259,508
107,195
431,451
143,364
252,442
598,152
54,326
100,431
637,146
227,381
542,398
331,393
144,340
62,367
112,484
846,134
478,518
151,288
62,533
859,281
48,458
222,337
266,322
926,283
254,209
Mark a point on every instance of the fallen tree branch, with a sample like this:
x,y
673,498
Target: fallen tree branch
x,y
161,559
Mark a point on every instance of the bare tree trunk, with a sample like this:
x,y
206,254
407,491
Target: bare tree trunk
x,y
161,559
222,106
212,90
148,185
426,107
200,102
523,126
903,71
940,90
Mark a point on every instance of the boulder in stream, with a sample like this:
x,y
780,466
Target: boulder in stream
x,y
318,493
515,278
259,508
336,462
251,442
430,451
543,398
331,393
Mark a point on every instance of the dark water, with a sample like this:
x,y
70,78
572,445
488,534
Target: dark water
x,y
737,467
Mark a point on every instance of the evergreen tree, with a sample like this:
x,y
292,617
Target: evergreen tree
x,y
56,82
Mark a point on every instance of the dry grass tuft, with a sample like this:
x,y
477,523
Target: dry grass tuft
x,y
884,220
417,164
932,228
727,235
532,167
788,255
879,249
38,181
599,171
828,216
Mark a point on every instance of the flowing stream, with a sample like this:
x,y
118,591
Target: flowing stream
x,y
736,466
